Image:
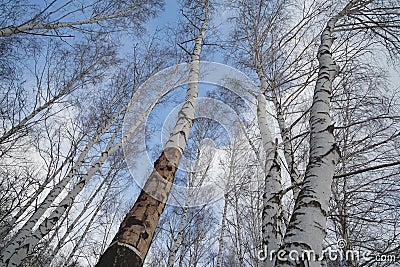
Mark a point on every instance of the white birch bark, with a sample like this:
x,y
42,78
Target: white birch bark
x,y
177,242
287,149
180,133
229,178
221,243
134,237
239,232
89,224
71,226
26,241
307,226
26,229
17,217
15,252
271,225
34,25
25,232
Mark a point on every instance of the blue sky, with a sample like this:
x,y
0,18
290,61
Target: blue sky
x,y
169,16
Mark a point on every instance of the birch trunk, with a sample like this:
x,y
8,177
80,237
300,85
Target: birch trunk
x,y
17,217
221,243
15,252
239,232
132,242
71,227
287,148
23,245
179,238
307,226
26,229
89,224
33,24
271,228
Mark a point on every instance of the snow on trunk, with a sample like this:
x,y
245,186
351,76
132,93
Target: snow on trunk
x,y
307,227
133,239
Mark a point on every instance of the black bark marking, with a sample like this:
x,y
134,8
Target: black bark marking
x,y
133,221
145,235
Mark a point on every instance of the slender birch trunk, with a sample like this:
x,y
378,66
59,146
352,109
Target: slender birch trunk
x,y
229,178
61,242
89,224
26,229
15,252
221,243
36,24
132,242
271,225
288,152
17,217
23,245
239,232
307,226
179,238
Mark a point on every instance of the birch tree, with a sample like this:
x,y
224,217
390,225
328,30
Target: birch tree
x,y
132,242
268,45
311,207
108,131
197,173
51,19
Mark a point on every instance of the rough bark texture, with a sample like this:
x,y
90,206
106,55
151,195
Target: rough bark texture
x,y
132,242
22,245
120,255
307,226
271,225
139,225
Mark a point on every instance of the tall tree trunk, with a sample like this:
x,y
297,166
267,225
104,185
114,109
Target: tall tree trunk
x,y
15,252
179,238
288,152
239,232
92,219
132,241
307,226
221,243
271,228
23,245
17,217
26,229
110,176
